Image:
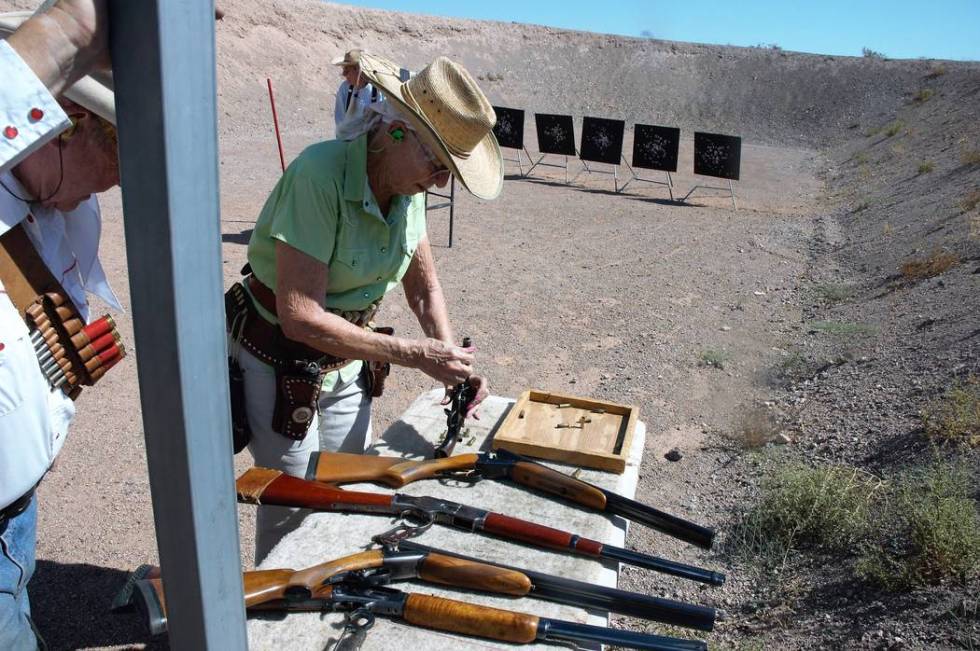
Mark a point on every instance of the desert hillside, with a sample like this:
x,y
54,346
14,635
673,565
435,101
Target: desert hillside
x,y
811,360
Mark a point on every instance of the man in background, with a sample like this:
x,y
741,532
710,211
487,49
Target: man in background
x,y
354,95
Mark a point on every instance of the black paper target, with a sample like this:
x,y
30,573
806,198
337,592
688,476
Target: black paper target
x,y
556,135
655,148
602,140
509,129
717,155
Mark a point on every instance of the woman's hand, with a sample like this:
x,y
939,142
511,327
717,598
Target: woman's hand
x,y
444,362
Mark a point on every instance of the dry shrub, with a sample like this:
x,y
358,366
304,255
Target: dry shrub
x,y
926,166
755,428
934,264
923,95
928,530
970,157
894,128
956,416
714,358
937,70
970,201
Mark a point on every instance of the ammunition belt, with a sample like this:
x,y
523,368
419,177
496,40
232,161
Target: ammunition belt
x,y
71,353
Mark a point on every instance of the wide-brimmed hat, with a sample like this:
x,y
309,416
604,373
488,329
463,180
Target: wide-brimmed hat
x,y
451,115
94,92
350,58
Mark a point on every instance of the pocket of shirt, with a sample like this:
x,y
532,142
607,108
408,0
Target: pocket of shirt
x,y
351,268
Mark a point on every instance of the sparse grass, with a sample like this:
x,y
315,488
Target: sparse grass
x,y
872,132
926,166
887,230
934,264
928,530
970,157
970,201
955,417
755,427
937,70
861,158
842,329
714,358
868,53
830,293
893,128
827,507
923,95
864,205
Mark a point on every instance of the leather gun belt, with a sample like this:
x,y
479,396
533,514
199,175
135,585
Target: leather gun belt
x,y
266,340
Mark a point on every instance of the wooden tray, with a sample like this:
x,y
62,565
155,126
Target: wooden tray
x,y
569,429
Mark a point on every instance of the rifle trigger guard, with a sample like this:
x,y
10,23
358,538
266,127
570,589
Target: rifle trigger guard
x,y
404,530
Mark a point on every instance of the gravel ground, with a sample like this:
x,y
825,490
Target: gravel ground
x,y
581,290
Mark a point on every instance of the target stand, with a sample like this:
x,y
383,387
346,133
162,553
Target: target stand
x,y
669,183
520,160
614,172
602,142
556,137
449,203
730,189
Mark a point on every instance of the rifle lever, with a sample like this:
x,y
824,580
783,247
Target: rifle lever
x,y
404,529
465,476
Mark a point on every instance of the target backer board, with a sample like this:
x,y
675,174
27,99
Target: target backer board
x,y
655,148
556,134
602,140
717,155
509,129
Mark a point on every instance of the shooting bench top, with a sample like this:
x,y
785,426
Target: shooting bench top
x,y
324,536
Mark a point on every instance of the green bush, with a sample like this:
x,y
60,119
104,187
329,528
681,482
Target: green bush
x,y
801,506
715,358
929,530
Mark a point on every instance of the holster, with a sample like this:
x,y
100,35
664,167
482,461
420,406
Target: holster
x,y
375,373
241,433
297,392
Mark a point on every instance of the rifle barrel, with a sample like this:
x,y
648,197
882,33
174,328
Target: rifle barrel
x,y
663,565
663,522
556,629
599,597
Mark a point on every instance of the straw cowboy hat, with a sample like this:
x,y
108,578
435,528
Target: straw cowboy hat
x,y
450,114
350,58
94,92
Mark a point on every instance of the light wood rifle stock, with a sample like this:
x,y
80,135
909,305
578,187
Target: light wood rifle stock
x,y
470,619
343,468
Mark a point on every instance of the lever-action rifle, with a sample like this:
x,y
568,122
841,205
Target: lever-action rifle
x,y
267,486
341,468
363,602
459,401
377,568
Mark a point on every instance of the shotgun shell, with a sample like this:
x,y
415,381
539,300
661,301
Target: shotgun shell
x,y
100,344
99,327
73,325
64,312
35,311
57,299
99,372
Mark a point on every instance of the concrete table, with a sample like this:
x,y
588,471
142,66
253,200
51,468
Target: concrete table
x,y
324,536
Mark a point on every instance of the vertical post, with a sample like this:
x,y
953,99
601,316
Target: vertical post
x,y
275,124
164,73
731,188
452,207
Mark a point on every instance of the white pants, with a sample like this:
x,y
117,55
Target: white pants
x,y
342,424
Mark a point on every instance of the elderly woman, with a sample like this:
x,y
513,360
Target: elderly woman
x,y
344,225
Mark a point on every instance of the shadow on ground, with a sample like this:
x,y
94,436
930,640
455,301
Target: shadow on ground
x,y
70,604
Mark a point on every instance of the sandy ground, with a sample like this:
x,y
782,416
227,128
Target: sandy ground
x,y
578,289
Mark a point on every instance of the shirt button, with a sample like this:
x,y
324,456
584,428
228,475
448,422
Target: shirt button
x,y
366,294
10,131
384,249
353,263
379,278
36,114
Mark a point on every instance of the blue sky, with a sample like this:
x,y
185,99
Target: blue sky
x,y
942,29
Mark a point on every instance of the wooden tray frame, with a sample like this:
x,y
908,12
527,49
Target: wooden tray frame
x,y
612,461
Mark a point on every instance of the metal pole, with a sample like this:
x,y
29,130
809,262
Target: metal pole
x,y
164,72
452,205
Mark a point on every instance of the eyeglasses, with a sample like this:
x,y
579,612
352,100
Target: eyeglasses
x,y
107,129
434,163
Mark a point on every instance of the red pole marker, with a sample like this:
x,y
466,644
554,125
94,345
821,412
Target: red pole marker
x,y
275,122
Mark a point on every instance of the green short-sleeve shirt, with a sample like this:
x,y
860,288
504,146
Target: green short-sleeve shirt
x,y
324,207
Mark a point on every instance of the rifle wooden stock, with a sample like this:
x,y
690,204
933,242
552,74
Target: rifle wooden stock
x,y
542,478
343,468
269,585
536,534
470,619
461,573
267,486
